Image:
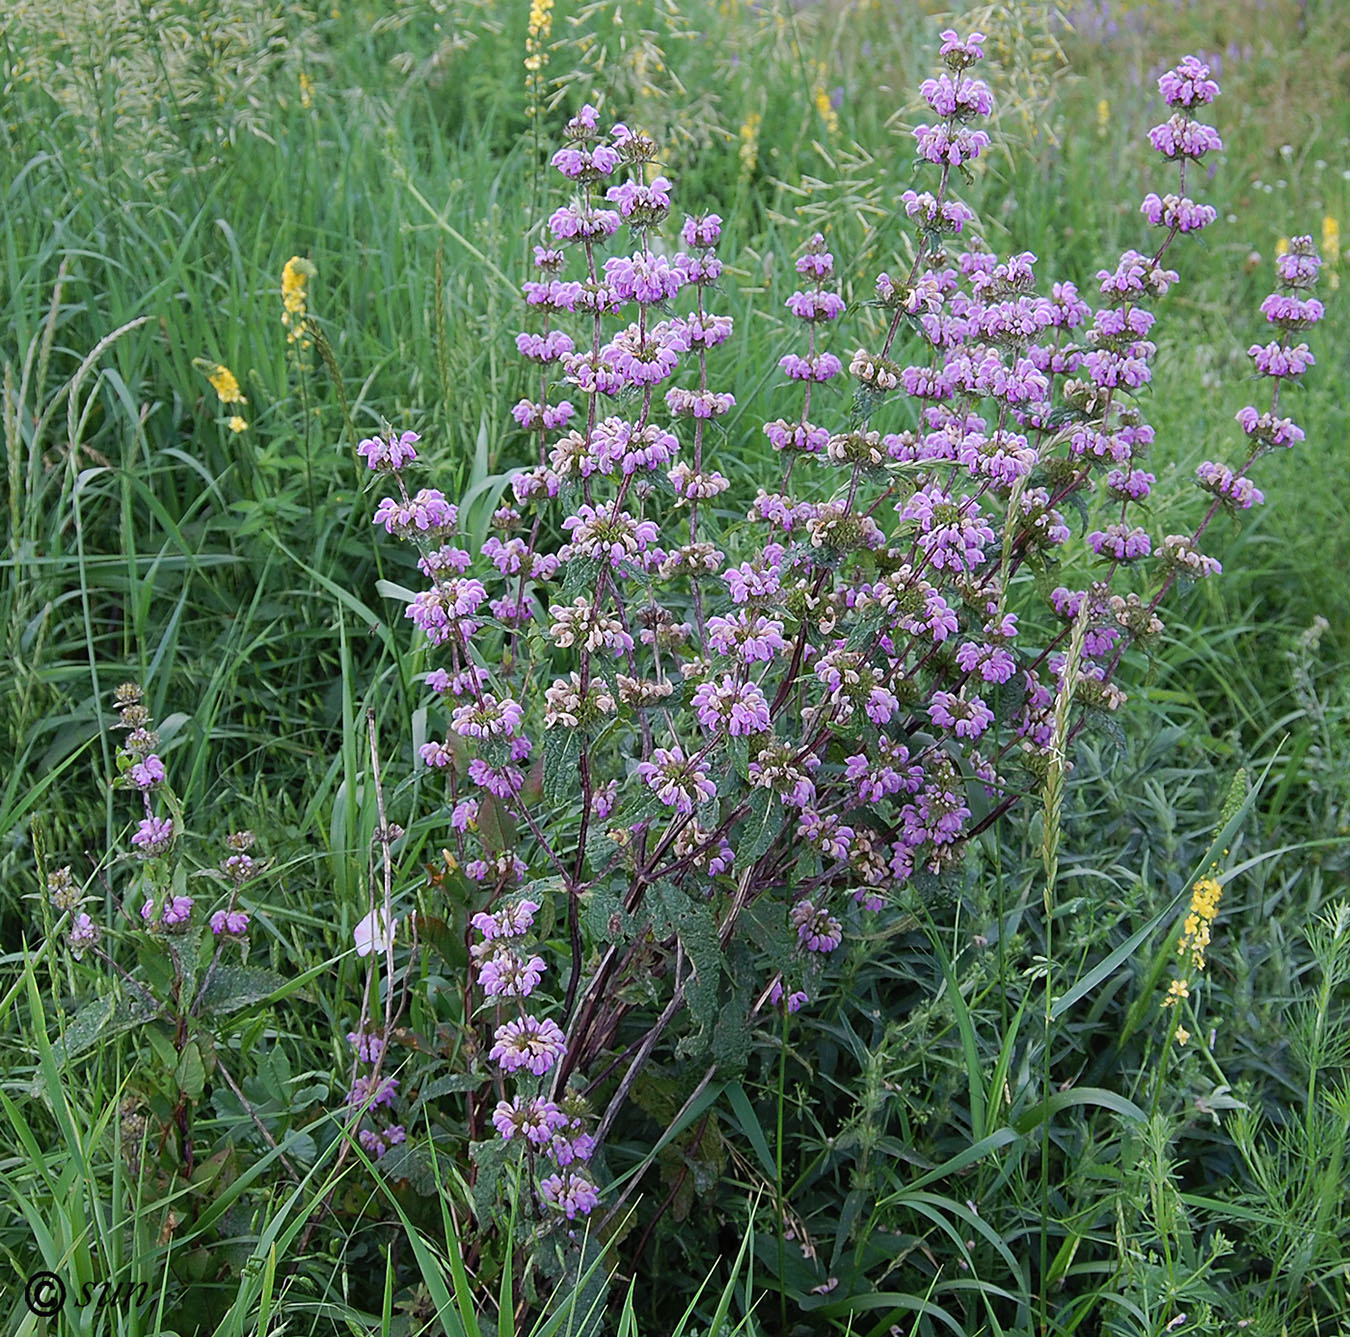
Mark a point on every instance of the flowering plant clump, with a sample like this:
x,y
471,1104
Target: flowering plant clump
x,y
690,755
177,961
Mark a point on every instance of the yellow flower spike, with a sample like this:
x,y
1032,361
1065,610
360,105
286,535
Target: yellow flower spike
x,y
306,90
749,149
1331,250
1103,115
223,380
1196,929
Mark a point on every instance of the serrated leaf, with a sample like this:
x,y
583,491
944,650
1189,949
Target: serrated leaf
x,y
697,933
562,752
233,987
760,828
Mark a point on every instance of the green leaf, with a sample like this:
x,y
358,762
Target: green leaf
x,y
190,1074
760,828
698,935
562,752
453,1084
233,987
496,830
1081,1095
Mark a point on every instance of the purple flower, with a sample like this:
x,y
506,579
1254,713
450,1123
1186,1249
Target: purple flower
x,y
1177,211
752,635
817,930
1275,360
608,532
992,662
801,436
1268,430
1291,312
741,708
571,223
1237,492
958,99
585,164
967,717
643,277
1181,137
232,923
1188,84
570,1193
815,304
1121,542
941,216
528,1043
676,780
531,1117
703,230
511,921
426,513
84,933
951,533
812,367
488,718
501,782
368,1045
377,1093
390,455
153,836
958,53
641,204
148,773
944,144
1298,266
507,975
796,1000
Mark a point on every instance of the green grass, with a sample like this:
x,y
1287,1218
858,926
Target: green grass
x,y
149,206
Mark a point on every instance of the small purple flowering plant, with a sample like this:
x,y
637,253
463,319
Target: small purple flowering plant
x,y
695,728
162,961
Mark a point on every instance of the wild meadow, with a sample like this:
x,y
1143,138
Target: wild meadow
x,y
675,668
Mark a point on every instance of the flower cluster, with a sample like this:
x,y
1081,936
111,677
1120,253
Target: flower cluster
x,y
373,1096
295,277
528,1044
810,707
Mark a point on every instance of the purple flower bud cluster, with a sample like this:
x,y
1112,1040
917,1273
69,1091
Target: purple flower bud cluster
x,y
819,694
528,1044
372,1096
1289,310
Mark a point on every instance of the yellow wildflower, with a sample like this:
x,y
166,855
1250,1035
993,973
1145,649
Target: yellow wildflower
x,y
1331,249
223,382
1195,931
1282,246
1183,1035
296,274
306,90
823,104
1176,991
537,32
749,150
1103,116
237,424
